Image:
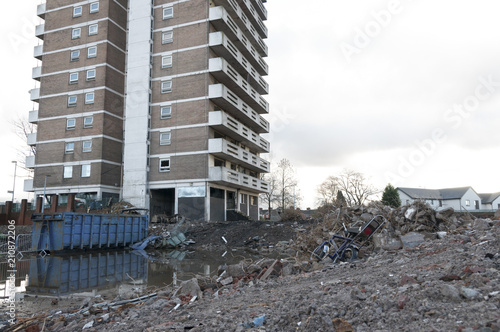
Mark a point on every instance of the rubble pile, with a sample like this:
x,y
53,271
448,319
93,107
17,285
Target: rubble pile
x,y
443,284
118,207
419,217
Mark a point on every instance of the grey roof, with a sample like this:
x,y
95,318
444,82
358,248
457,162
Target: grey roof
x,y
488,198
449,193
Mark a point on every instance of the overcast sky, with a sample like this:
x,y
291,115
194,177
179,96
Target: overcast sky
x,y
406,92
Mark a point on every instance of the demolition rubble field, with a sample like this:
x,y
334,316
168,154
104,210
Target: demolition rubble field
x,y
424,271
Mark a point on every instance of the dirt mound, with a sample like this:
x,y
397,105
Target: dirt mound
x,y
235,234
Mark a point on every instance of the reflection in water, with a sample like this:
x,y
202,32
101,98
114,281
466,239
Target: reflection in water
x,y
116,271
63,275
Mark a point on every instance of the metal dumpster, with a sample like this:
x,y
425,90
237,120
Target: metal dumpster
x,y
70,230
67,274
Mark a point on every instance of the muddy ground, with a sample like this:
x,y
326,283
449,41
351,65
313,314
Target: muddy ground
x,y
448,284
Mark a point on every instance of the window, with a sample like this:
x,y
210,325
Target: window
x,y
68,172
167,37
73,78
88,122
89,98
87,146
166,112
166,61
166,86
90,74
165,165
76,33
168,12
92,52
71,101
165,138
75,55
69,148
467,202
70,124
94,7
93,29
85,171
77,11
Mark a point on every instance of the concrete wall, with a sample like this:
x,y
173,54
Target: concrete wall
x,y
135,172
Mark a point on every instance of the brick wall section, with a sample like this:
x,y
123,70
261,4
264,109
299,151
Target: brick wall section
x,y
193,86
183,37
183,62
181,168
184,12
184,140
183,114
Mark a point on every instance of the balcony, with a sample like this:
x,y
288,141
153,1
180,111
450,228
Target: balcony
x,y
261,10
226,150
224,47
254,16
35,94
37,52
36,73
225,73
33,116
30,162
244,16
28,185
228,177
227,125
41,10
232,104
40,31
222,21
31,139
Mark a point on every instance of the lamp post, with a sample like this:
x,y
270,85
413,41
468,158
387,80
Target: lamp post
x,y
14,184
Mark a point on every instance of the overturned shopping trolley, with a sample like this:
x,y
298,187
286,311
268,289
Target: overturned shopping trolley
x,y
346,248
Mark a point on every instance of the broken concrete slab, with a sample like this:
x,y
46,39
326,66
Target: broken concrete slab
x,y
412,239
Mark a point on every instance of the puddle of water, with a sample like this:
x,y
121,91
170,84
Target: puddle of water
x,y
111,273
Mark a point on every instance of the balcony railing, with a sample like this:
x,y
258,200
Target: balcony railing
x,y
259,6
41,9
232,104
226,176
31,139
38,51
227,125
35,94
237,155
244,15
40,31
222,21
33,116
36,73
28,185
225,73
254,17
30,162
224,47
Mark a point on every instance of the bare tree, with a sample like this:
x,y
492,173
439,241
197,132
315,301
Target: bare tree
x,y
355,187
22,128
327,191
285,174
350,184
270,197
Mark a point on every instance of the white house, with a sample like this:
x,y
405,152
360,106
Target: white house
x,y
490,201
460,199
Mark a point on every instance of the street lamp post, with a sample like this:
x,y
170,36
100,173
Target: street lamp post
x,y
14,184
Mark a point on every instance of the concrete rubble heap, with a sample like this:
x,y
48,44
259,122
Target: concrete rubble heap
x,y
442,276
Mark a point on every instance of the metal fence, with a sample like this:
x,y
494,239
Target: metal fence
x,y
23,243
